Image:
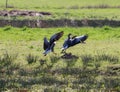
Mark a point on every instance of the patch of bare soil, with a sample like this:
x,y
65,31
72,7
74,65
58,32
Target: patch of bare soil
x,y
22,13
69,56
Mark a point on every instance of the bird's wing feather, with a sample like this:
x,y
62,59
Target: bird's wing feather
x,y
46,43
56,37
83,38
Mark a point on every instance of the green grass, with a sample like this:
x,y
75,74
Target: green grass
x,y
71,10
33,34
57,3
94,66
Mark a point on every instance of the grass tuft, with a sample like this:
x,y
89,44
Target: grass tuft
x,y
24,28
106,57
7,28
7,59
106,28
31,58
87,58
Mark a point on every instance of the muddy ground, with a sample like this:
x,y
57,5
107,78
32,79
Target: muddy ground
x,y
22,13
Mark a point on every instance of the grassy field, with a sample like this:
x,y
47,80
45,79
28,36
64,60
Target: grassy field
x,y
93,66
57,3
90,67
93,9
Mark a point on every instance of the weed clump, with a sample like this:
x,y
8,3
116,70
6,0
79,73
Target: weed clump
x,y
24,28
106,57
7,60
106,28
31,58
42,62
7,28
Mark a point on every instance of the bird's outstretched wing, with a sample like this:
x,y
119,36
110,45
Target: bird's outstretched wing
x,y
56,37
46,43
84,37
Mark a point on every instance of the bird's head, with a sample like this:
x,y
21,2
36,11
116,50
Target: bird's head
x,y
69,35
86,35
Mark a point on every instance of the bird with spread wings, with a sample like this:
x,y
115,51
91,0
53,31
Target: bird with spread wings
x,y
48,46
72,41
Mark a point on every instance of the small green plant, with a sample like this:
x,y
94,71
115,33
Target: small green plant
x,y
42,62
107,28
86,58
97,65
7,59
31,47
106,57
31,58
24,28
7,28
54,59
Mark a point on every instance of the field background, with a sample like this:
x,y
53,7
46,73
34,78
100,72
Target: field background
x,y
78,9
91,67
58,3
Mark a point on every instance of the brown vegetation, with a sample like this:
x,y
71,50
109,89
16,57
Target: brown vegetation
x,y
22,13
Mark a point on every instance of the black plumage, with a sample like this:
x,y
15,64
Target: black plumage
x,y
72,41
48,46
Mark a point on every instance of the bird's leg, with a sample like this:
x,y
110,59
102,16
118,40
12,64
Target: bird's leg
x,y
81,41
52,47
53,51
63,51
84,42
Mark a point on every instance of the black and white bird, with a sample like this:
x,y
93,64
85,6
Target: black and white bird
x,y
71,41
48,46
